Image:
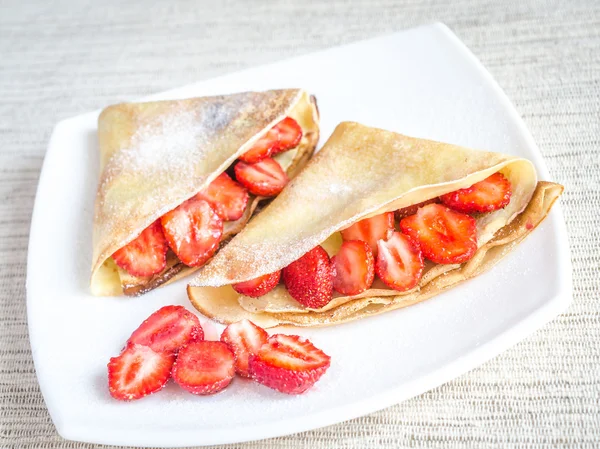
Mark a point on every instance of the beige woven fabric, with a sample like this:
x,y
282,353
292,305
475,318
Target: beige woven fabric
x,y
59,59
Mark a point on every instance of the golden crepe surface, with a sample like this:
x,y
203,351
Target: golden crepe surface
x,y
362,172
156,155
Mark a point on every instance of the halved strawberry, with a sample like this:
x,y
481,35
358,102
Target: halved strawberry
x,y
259,286
411,210
244,338
290,135
288,363
491,194
264,147
444,235
399,262
137,372
370,230
227,197
168,329
146,255
264,178
204,367
309,280
353,268
193,231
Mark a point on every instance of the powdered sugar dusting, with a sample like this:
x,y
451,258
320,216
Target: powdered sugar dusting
x,y
360,171
163,153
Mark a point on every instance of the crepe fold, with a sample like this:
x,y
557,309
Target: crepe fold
x,y
156,155
359,173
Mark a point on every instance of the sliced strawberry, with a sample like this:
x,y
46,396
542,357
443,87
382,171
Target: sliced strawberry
x,y
370,230
168,329
226,197
491,194
411,210
259,286
309,280
244,338
399,262
264,178
288,363
290,135
353,268
193,231
137,372
444,235
264,147
204,367
146,255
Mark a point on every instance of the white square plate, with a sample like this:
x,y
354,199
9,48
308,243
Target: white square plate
x,y
423,82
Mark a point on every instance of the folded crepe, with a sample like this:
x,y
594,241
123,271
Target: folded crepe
x,y
154,156
362,172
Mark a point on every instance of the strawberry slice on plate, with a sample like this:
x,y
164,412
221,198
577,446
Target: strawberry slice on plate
x,y
146,255
288,363
204,367
399,262
259,286
353,268
309,280
138,372
168,329
244,338
263,178
370,230
290,135
264,147
193,231
491,194
227,197
444,235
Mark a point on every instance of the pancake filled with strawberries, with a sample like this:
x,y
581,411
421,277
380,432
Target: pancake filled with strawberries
x,y
375,222
179,178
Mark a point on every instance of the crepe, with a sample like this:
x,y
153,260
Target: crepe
x,y
156,155
359,173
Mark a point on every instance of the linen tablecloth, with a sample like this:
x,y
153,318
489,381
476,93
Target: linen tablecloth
x,y
62,58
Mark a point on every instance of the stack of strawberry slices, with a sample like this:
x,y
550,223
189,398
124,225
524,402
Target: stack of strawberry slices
x,y
170,343
193,230
442,230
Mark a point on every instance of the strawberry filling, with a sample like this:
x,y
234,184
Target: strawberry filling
x,y
439,229
194,229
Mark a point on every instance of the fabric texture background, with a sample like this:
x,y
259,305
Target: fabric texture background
x,y
62,58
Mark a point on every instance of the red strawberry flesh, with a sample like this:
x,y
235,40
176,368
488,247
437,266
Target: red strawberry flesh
x,y
227,197
263,178
262,148
309,279
444,235
259,286
290,135
204,367
193,231
244,338
146,255
399,262
370,230
168,329
353,268
491,194
288,363
138,372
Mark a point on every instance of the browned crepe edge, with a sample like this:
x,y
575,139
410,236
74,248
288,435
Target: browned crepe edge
x,y
544,197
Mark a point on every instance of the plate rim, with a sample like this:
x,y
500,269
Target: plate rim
x,y
525,325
